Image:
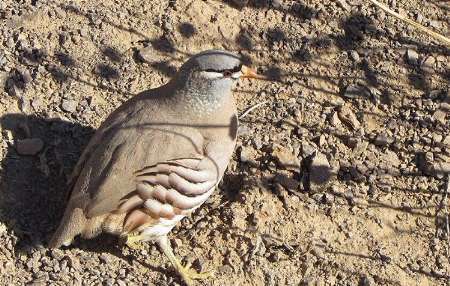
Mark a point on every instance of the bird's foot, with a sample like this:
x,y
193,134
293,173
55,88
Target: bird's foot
x,y
185,271
189,274
133,241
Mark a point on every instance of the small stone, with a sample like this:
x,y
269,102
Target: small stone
x,y
147,54
13,89
307,149
355,91
439,115
257,143
3,229
248,155
244,130
320,172
419,17
24,104
412,57
335,121
69,105
438,169
428,62
366,280
318,252
435,24
348,117
277,4
25,74
391,158
322,140
383,140
354,56
176,242
309,281
437,138
274,257
199,264
446,141
30,146
337,101
286,158
104,258
83,32
36,103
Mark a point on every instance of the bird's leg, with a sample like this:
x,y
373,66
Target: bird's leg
x,y
186,272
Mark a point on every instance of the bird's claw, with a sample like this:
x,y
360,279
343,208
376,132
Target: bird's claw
x,y
189,274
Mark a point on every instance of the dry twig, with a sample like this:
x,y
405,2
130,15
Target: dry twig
x,y
431,33
250,109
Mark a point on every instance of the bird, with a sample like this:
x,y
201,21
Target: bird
x,y
157,158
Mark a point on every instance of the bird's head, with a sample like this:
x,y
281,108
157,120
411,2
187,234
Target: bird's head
x,y
211,74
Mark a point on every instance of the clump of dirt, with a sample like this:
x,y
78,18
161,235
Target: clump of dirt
x,y
339,178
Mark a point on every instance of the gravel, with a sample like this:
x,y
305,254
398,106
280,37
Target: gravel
x,y
339,175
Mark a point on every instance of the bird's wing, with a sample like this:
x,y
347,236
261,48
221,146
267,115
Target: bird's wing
x,y
146,169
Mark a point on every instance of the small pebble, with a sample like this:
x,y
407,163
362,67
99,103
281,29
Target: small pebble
x,y
30,146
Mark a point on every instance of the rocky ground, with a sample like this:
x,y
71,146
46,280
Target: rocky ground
x,y
339,175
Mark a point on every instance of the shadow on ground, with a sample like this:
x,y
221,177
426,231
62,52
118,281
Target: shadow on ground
x,y
33,188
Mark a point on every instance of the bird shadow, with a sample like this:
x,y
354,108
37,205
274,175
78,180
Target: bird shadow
x,y
33,187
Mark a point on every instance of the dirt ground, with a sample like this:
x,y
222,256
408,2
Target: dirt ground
x,y
338,177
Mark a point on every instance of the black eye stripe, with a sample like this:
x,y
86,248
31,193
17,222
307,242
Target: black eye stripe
x,y
235,69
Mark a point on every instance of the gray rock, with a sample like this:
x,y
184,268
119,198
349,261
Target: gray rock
x,y
428,62
344,5
24,104
12,88
36,103
248,155
320,172
25,74
366,280
446,140
30,146
335,121
419,17
356,90
307,149
440,116
69,105
147,54
286,158
348,117
104,258
412,57
354,56
383,140
3,59
438,168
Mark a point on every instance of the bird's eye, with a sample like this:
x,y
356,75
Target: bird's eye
x,y
227,73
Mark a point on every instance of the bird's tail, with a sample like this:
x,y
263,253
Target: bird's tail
x,y
72,224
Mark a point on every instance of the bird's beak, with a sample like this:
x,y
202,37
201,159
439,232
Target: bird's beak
x,y
250,73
